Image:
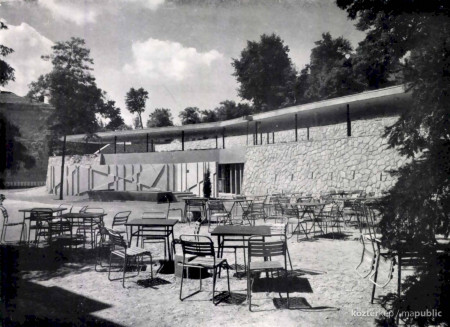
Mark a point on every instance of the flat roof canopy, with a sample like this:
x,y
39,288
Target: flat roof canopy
x,y
385,101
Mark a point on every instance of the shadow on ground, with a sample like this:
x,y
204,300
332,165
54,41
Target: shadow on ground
x,y
25,303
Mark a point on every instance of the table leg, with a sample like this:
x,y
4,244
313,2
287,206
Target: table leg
x,y
131,236
376,273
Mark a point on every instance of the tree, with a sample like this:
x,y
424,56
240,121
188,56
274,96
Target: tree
x,y
209,116
112,113
72,91
227,110
190,115
13,153
266,74
6,71
417,207
330,71
135,101
207,184
230,110
161,117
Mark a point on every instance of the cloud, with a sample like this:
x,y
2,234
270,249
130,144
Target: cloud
x,y
150,4
70,11
28,45
85,12
157,59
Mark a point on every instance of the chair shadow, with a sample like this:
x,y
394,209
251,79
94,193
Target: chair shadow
x,y
232,298
336,236
301,272
299,303
282,284
152,282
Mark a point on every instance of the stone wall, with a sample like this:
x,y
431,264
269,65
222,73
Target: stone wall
x,y
329,160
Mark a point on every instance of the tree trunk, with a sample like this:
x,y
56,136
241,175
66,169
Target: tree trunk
x,y
140,120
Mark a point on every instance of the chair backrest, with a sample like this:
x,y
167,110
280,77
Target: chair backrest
x,y
4,213
262,248
279,228
58,227
120,218
116,238
215,206
154,215
257,207
94,210
83,209
41,214
66,206
198,245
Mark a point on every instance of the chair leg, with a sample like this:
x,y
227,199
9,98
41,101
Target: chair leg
x,y
181,285
109,269
22,233
214,283
289,257
124,270
249,290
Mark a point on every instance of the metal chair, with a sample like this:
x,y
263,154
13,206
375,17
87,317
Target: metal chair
x,y
281,229
260,248
90,227
217,211
155,234
169,210
119,221
83,209
7,224
202,248
40,217
103,247
60,234
254,212
197,204
331,217
127,254
66,206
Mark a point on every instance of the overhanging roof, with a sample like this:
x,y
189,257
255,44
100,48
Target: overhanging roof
x,y
383,101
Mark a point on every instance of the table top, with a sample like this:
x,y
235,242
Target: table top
x,y
157,222
233,200
195,198
37,209
310,204
83,215
239,230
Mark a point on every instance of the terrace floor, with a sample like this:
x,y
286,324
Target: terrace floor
x,y
46,287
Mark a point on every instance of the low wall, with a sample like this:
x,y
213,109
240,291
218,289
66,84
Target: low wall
x,y
321,164
90,172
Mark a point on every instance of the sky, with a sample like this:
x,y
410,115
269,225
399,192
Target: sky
x,y
180,51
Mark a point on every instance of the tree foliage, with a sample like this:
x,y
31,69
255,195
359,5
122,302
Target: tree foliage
x,y
265,73
417,207
6,71
73,92
13,153
160,117
135,100
228,109
190,115
330,72
207,187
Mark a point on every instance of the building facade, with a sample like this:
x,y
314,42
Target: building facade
x,y
333,144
